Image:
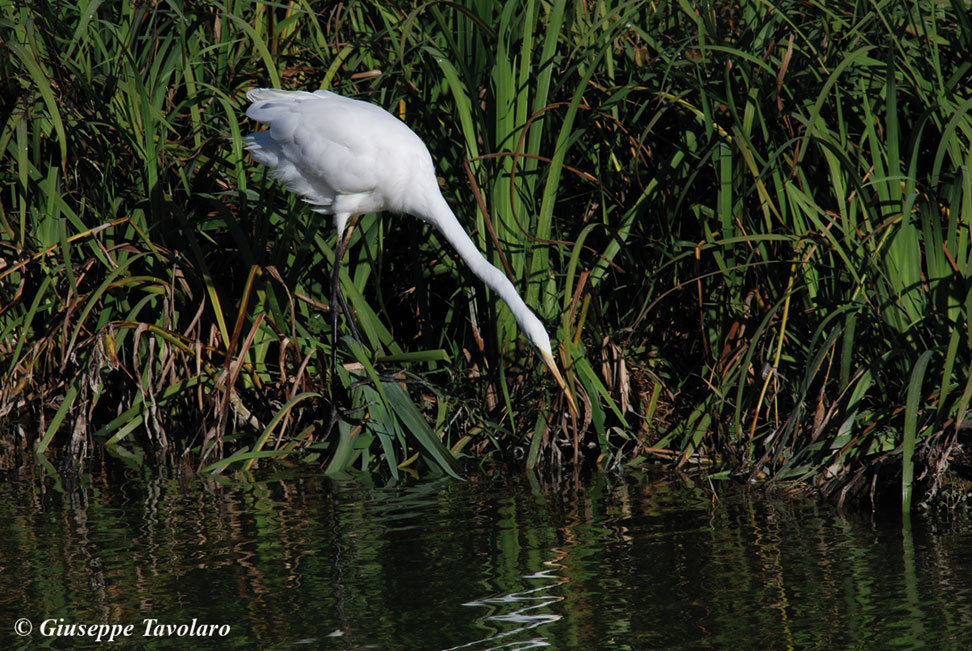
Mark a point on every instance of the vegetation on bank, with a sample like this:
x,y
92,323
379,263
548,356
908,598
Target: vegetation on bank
x,y
746,224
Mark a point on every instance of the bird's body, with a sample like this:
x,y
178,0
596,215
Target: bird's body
x,y
346,158
343,156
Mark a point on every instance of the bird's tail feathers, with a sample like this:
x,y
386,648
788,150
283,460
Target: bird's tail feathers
x,y
276,107
264,94
266,151
263,148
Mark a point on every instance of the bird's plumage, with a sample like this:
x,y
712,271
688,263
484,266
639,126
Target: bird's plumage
x,y
343,156
346,157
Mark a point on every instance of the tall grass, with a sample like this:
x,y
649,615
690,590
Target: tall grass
x,y
747,227
833,265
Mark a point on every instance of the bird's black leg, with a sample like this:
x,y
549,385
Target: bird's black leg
x,y
336,293
338,302
347,314
335,302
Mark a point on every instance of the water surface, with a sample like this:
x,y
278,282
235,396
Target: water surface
x,y
625,562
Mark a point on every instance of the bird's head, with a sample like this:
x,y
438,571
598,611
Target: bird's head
x,y
536,334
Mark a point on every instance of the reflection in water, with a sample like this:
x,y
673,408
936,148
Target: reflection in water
x,y
523,610
616,563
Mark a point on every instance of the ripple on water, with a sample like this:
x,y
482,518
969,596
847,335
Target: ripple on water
x,y
638,562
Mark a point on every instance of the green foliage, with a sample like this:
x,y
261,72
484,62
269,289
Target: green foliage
x,y
747,225
833,256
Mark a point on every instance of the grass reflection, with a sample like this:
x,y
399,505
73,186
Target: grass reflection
x,y
617,563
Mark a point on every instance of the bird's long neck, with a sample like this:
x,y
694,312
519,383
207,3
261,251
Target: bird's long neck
x,y
440,215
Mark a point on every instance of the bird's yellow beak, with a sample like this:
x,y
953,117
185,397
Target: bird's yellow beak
x,y
552,365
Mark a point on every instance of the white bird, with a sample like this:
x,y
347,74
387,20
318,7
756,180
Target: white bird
x,y
347,158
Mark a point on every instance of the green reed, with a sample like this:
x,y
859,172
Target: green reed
x,y
747,227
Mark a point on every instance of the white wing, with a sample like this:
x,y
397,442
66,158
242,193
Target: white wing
x,y
344,156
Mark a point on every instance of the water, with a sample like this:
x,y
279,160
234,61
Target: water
x,y
630,562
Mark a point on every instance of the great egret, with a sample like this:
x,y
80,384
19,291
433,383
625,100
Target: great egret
x,y
346,158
